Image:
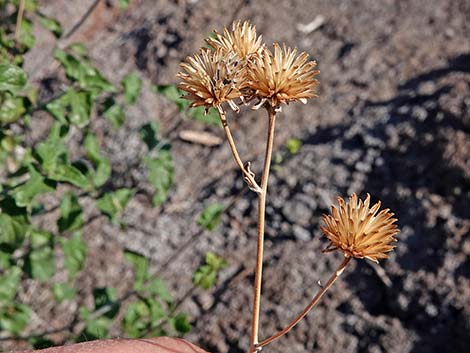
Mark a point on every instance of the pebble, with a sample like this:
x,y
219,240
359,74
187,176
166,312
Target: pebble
x,y
300,233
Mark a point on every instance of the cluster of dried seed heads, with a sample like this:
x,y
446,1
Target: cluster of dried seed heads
x,y
238,66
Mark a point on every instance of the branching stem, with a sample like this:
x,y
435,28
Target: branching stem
x,y
261,223
248,176
309,307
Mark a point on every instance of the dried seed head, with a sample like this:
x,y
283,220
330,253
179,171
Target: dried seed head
x,y
360,231
211,78
282,77
241,40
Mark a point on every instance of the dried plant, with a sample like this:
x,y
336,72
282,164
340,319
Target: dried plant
x,y
242,40
358,230
211,78
238,67
282,77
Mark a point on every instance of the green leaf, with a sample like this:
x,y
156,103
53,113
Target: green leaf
x,y
53,157
161,173
173,94
149,133
14,318
142,315
52,152
25,193
72,106
115,114
158,288
80,104
12,109
74,253
215,261
206,275
14,224
106,297
31,5
209,219
78,49
141,267
74,69
5,259
293,145
12,78
123,4
112,204
63,291
102,164
9,281
40,262
51,24
71,214
181,323
26,37
211,117
132,85
40,342
70,174
82,71
95,327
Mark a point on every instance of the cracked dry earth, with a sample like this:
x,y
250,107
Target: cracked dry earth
x,y
392,119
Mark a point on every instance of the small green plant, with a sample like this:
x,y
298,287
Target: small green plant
x,y
32,169
206,275
210,216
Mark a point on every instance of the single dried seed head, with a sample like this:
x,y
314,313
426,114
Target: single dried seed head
x,y
360,231
242,40
282,77
211,78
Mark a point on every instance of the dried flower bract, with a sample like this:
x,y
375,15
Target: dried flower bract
x,y
242,40
283,77
211,78
360,231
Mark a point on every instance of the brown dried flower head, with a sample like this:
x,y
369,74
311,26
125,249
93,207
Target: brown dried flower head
x,y
211,78
242,40
283,77
359,231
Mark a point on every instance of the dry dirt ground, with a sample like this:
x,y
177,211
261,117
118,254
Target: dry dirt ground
x,y
392,119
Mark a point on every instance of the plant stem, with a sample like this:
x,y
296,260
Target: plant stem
x,y
19,18
247,174
310,306
261,223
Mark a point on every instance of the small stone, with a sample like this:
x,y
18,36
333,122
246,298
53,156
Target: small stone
x,y
300,233
431,310
297,212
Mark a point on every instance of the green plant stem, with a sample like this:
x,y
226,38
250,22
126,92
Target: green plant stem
x,y
19,18
309,307
261,224
247,175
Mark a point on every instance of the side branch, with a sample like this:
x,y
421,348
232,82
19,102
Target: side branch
x,y
248,175
309,307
